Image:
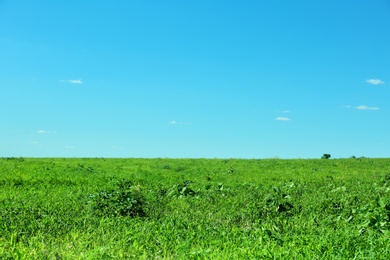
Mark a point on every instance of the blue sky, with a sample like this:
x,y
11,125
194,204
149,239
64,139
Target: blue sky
x,y
241,79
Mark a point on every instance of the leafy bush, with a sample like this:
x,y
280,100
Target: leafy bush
x,y
376,216
276,203
125,200
325,156
182,189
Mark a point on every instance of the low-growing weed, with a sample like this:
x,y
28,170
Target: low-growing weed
x,y
125,199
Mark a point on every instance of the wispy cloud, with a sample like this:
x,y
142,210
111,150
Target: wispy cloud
x,y
179,123
375,81
72,81
284,111
362,107
75,81
279,118
38,144
43,132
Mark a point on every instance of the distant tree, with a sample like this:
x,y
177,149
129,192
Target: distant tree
x,y
325,156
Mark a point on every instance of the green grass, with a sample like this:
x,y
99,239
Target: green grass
x,y
194,208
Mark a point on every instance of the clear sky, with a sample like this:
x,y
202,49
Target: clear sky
x,y
213,79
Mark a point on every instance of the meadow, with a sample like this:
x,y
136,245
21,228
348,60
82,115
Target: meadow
x,y
97,208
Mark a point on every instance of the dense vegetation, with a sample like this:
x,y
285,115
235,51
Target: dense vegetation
x,y
194,208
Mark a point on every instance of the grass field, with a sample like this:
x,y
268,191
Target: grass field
x,y
194,208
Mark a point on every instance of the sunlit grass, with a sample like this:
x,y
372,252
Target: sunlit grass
x,y
194,208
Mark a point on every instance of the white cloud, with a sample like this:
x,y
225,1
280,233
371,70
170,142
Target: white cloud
x,y
72,81
375,81
284,111
38,144
282,118
362,107
42,132
179,123
75,81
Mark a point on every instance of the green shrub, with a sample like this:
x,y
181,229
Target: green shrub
x,y
126,200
